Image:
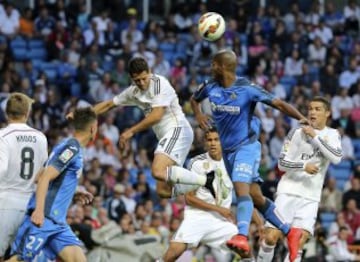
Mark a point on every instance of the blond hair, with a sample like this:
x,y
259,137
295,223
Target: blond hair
x,y
18,106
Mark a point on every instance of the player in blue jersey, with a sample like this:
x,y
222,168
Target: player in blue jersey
x,y
233,101
44,227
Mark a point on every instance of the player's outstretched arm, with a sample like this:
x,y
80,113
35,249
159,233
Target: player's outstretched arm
x,y
104,107
196,202
49,174
288,109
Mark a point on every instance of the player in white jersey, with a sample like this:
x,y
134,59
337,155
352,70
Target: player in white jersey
x,y
23,151
159,102
305,157
206,220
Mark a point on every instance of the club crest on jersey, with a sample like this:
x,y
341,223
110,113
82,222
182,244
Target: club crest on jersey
x,y
206,165
233,96
66,155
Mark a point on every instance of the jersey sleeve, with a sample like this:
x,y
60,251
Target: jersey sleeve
x,y
62,157
288,159
201,92
124,98
330,149
259,94
163,92
4,157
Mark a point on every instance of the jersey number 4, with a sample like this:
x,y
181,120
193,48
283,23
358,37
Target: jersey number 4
x,y
27,163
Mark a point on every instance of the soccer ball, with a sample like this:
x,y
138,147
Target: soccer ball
x,y
211,26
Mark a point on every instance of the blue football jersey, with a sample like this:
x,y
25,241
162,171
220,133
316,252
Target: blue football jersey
x,y
67,158
233,110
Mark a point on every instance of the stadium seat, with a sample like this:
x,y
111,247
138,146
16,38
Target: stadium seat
x,y
340,184
36,43
327,216
38,53
167,47
20,54
51,74
18,42
356,144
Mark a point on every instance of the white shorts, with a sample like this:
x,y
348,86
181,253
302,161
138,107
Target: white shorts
x,y
298,212
207,229
10,221
176,144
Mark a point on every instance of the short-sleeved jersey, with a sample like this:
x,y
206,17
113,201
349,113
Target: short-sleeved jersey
x,y
67,158
203,164
23,151
297,151
159,94
233,110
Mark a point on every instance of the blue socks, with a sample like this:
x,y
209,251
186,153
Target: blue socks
x,y
268,211
244,212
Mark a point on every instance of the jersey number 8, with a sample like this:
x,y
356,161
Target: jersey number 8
x,y
27,163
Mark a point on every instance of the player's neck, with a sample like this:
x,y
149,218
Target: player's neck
x,y
83,139
216,157
228,80
19,121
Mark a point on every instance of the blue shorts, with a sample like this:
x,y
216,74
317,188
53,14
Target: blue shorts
x,y
51,238
243,164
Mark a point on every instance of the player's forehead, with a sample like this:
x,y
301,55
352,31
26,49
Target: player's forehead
x,y
212,135
140,76
316,104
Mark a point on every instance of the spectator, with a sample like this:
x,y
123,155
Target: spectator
x,y
26,23
350,76
293,64
44,23
338,247
9,21
115,205
331,196
353,192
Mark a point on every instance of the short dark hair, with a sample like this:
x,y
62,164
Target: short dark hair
x,y
323,100
18,105
212,129
83,117
137,65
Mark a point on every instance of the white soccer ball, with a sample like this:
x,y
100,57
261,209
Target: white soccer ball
x,y
211,26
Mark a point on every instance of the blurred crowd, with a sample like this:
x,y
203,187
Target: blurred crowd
x,y
294,49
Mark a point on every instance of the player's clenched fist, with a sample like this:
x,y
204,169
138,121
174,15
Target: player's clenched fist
x,y
311,168
37,218
226,213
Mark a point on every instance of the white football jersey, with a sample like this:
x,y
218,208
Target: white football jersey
x,y
298,150
23,151
159,94
203,164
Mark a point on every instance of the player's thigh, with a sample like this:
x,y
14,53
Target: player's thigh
x,y
285,208
244,163
305,216
219,233
10,221
30,239
192,230
176,144
65,245
72,254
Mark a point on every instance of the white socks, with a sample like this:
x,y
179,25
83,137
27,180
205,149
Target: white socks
x,y
266,252
179,175
297,259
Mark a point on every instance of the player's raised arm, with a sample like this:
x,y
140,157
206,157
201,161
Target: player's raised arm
x,y
104,107
288,109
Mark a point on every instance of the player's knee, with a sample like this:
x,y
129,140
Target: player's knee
x,y
158,172
163,192
271,236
